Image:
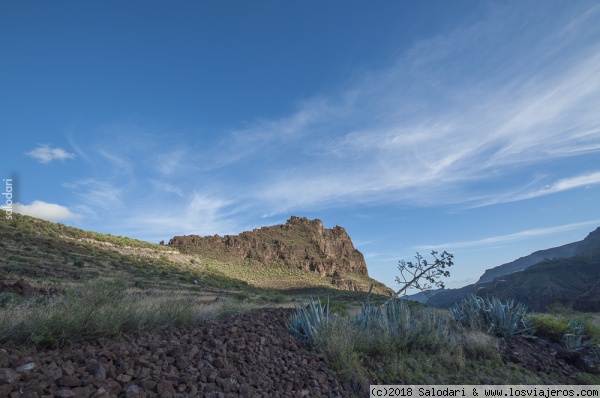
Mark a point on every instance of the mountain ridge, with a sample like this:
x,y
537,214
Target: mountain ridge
x,y
567,274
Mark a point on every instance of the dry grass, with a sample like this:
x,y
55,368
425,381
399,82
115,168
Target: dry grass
x,y
103,309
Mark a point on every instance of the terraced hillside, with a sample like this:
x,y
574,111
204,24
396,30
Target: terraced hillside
x,y
47,252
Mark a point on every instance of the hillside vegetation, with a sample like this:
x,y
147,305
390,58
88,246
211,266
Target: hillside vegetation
x,y
93,286
48,254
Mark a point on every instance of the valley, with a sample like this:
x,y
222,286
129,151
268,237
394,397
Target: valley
x,y
204,316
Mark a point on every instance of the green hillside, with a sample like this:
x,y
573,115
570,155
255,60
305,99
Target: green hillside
x,y
44,252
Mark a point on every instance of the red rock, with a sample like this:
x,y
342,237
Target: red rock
x,y
148,385
182,363
124,378
83,392
54,372
64,393
68,368
100,393
8,376
5,390
69,381
3,358
165,386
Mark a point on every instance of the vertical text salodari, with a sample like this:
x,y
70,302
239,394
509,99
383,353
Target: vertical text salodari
x,y
8,198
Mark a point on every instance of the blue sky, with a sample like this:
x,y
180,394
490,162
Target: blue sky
x,y
466,126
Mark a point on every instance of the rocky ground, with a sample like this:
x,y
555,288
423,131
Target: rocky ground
x,y
541,356
249,355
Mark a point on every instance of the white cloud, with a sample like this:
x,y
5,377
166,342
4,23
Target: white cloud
x,y
564,184
517,236
199,214
46,211
575,182
46,154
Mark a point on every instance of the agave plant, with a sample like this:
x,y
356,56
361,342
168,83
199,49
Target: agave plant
x,y
503,319
308,322
368,316
574,339
470,312
395,318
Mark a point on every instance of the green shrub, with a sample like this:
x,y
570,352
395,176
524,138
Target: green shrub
x,y
337,307
550,326
79,263
342,345
241,296
277,298
9,298
478,345
140,284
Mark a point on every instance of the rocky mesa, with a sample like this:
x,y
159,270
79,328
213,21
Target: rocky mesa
x,y
300,243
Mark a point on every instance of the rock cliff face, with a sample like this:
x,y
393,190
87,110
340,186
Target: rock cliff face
x,y
299,243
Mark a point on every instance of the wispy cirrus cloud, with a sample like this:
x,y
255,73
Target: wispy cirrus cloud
x,y
524,193
198,214
172,161
118,163
46,154
96,196
494,240
439,124
425,130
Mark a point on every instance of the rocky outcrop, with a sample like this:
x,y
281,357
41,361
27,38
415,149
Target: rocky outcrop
x,y
299,243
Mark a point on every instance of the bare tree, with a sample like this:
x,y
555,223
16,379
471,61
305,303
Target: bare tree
x,y
413,273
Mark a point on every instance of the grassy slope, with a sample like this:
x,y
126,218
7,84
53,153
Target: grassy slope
x,y
46,252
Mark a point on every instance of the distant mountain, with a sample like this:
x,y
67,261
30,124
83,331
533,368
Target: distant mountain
x,y
569,274
591,244
564,251
570,281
